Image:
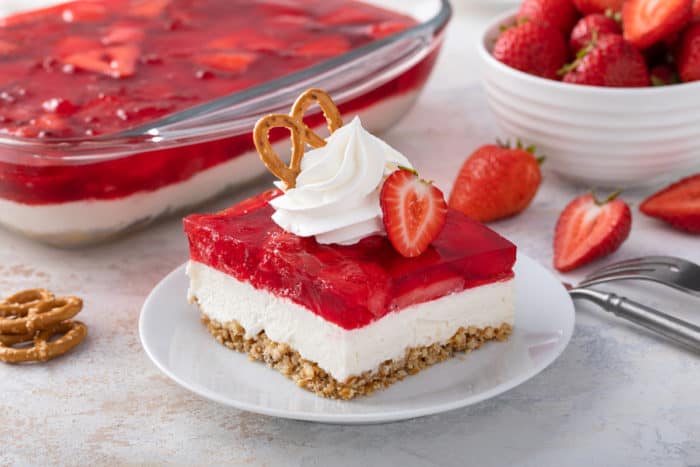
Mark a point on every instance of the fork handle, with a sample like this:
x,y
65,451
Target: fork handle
x,y
673,328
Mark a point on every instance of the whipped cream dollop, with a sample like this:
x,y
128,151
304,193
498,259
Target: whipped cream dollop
x,y
336,198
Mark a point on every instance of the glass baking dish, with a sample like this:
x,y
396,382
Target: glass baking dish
x,y
74,191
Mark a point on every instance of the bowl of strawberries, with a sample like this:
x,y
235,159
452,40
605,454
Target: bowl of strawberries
x,y
609,90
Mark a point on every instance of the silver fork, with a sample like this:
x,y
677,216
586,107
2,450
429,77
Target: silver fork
x,y
675,272
668,270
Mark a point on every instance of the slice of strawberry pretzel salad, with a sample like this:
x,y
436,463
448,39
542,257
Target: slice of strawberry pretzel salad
x,y
354,274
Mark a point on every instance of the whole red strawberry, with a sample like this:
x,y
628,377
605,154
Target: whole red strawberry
x,y
496,182
688,57
646,22
532,48
559,14
597,25
587,7
414,212
678,204
608,61
589,229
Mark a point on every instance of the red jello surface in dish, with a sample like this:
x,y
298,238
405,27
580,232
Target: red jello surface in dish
x,y
93,67
350,286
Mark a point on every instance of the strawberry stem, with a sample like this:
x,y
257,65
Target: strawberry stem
x,y
504,144
408,169
611,197
580,55
541,159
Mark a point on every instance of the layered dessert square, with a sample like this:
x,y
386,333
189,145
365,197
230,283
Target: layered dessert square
x,y
344,321
354,273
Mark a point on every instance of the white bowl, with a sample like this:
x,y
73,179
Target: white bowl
x,y
610,137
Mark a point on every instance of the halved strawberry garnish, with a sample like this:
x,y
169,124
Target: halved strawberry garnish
x,y
588,229
234,62
678,204
148,8
646,22
414,212
117,62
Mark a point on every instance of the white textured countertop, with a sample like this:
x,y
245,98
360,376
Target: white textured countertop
x,y
617,396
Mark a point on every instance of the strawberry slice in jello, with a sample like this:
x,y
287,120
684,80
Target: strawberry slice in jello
x,y
347,14
117,62
234,62
7,48
247,39
148,8
123,34
332,46
71,45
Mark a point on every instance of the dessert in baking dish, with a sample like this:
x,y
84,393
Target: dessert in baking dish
x,y
91,69
353,274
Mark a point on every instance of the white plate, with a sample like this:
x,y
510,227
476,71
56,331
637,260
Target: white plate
x,y
178,343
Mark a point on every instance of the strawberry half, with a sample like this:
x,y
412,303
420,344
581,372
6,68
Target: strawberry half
x,y
646,22
678,204
414,212
588,229
496,182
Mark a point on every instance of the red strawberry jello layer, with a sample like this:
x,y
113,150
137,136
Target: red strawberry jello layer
x,y
91,68
350,286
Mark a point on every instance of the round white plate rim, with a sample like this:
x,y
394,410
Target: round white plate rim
x,y
365,418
